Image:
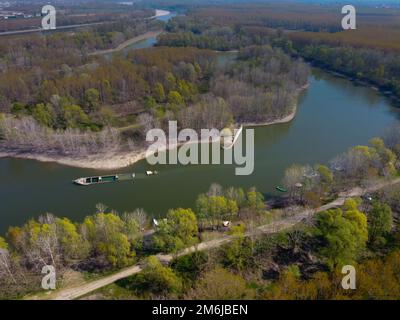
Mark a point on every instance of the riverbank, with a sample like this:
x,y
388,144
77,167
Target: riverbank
x,y
98,162
127,43
112,161
383,90
285,119
160,13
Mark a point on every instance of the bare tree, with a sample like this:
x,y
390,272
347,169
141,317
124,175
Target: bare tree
x,y
141,217
215,190
100,207
6,269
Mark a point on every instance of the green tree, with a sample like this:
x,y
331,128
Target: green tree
x,y
37,242
156,278
44,114
73,245
238,254
92,99
175,98
343,235
177,231
75,117
159,92
380,222
386,156
213,209
185,89
325,174
18,109
255,200
3,243
150,102
351,204
190,266
170,81
109,242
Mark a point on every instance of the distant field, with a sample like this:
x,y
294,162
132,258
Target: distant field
x,y
274,15
295,12
64,19
376,27
383,38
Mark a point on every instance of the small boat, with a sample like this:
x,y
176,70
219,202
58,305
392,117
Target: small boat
x,y
87,181
281,189
151,173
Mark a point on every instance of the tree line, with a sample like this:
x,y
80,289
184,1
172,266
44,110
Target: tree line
x,y
374,66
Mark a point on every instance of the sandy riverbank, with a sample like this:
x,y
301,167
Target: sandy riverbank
x,y
127,43
114,161
285,119
144,36
161,13
100,162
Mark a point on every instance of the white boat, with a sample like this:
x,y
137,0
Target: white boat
x,y
151,173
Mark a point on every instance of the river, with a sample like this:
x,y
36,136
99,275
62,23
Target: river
x,y
333,115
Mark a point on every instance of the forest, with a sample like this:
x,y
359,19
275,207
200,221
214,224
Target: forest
x,y
369,53
75,103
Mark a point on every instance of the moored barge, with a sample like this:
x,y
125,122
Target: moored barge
x,y
87,181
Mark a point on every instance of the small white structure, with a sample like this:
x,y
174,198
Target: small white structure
x,y
151,173
226,223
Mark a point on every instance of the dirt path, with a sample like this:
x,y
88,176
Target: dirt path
x,y
277,226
